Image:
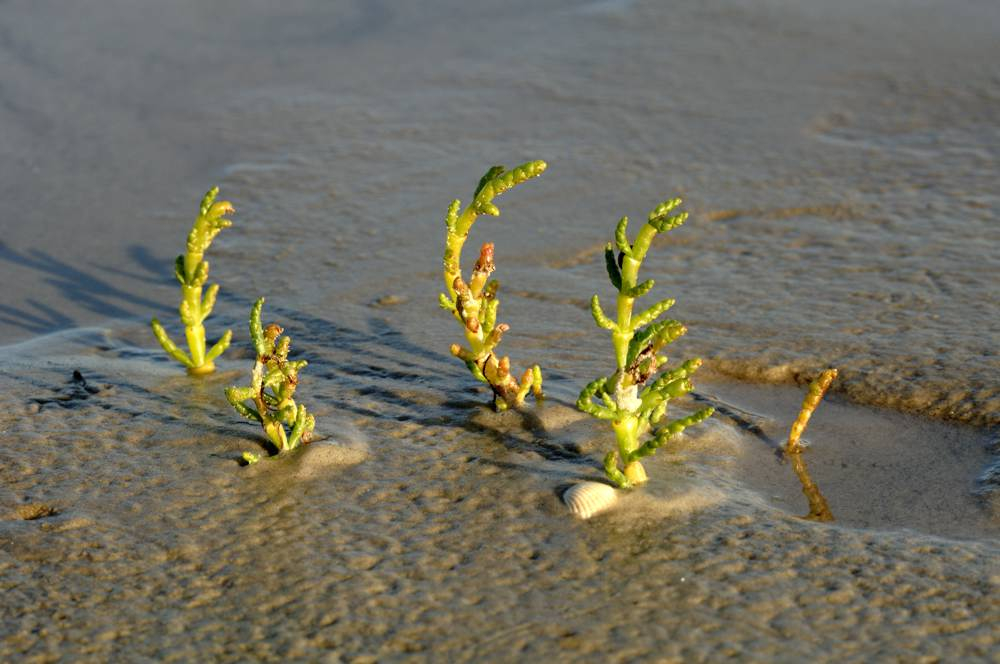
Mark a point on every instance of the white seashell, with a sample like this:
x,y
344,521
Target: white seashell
x,y
589,498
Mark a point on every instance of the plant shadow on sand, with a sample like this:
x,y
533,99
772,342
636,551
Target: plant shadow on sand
x,y
409,389
83,288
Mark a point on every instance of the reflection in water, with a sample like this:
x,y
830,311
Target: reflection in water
x,y
818,508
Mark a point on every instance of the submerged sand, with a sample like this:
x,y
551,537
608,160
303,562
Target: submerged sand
x,y
839,164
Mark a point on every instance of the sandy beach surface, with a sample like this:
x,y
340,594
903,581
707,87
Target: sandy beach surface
x,y
840,166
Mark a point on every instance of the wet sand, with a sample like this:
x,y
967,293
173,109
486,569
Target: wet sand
x,y
423,523
840,167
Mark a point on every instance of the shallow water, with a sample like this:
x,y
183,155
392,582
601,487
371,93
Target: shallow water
x,y
839,165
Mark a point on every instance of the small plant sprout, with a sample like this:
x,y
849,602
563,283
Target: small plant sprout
x,y
192,271
638,339
272,389
817,389
819,510
474,303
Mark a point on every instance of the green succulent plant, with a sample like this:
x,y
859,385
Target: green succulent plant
x,y
474,303
191,271
269,400
632,407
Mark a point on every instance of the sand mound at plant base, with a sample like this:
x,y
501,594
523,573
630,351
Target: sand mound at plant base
x,y
671,498
324,457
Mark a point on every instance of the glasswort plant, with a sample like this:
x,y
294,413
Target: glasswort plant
x,y
192,271
474,303
272,389
637,341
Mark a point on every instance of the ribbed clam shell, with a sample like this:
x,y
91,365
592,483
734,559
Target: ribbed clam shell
x,y
589,498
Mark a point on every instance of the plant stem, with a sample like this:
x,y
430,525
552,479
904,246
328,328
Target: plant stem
x,y
623,334
196,344
817,389
453,249
626,428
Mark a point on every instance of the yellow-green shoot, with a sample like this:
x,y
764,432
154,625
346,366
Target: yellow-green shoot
x,y
269,400
814,395
819,510
638,340
191,270
474,303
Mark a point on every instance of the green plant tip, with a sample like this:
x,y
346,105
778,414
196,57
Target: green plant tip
x,y
191,271
637,340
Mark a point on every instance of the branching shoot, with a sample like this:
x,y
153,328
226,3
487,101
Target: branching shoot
x,y
638,340
191,271
269,399
474,303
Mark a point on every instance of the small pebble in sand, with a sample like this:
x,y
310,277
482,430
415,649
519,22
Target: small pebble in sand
x,y
389,300
33,511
